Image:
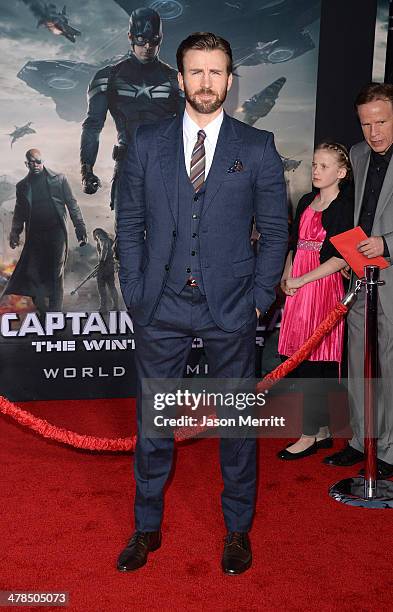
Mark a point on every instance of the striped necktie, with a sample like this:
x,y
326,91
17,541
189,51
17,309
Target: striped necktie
x,y
197,170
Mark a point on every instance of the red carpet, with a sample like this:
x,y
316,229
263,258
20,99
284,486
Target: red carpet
x,y
66,514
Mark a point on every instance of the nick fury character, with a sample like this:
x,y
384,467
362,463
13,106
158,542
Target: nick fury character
x,y
189,191
43,198
139,89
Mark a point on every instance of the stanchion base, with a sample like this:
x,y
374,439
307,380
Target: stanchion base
x,y
350,491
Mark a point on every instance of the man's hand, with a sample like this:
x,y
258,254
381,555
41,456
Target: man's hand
x,y
372,247
14,241
90,182
81,234
258,312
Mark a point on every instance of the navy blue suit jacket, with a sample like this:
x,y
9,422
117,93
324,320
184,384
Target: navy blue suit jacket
x,y
235,281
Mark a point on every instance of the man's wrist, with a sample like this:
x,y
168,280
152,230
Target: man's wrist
x,y
386,252
86,169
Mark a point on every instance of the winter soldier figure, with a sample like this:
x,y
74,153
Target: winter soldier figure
x,y
139,89
106,270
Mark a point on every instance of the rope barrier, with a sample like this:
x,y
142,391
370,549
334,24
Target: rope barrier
x,y
93,443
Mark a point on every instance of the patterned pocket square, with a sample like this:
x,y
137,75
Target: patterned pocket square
x,y
236,167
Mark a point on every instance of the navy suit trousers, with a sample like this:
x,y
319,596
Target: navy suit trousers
x,y
161,351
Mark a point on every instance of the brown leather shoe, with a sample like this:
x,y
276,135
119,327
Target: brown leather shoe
x,y
237,557
137,550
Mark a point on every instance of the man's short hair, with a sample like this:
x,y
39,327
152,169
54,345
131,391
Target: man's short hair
x,y
204,41
374,91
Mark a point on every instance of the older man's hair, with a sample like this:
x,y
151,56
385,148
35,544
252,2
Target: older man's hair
x,y
203,41
374,91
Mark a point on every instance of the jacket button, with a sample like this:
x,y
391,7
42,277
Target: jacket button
x,y
194,235
188,270
167,267
173,233
196,198
193,253
194,216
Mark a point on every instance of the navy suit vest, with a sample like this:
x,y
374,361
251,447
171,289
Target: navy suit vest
x,y
186,257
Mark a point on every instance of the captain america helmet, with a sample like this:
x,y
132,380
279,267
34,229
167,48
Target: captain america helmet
x,y
145,27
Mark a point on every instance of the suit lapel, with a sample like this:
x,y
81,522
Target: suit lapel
x,y
361,171
386,191
226,152
169,143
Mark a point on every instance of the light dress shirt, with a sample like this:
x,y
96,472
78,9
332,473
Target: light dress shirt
x,y
190,136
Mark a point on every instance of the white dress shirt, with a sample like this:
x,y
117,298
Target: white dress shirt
x,y
190,136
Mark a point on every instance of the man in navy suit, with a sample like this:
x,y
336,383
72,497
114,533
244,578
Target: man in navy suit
x,y
190,188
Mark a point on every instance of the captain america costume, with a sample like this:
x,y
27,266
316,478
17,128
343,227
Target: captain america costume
x,y
139,89
134,93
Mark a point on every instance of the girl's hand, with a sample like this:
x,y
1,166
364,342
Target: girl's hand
x,y
286,289
294,283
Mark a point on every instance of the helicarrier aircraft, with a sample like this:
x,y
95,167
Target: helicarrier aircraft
x,y
290,165
21,131
57,22
260,31
261,103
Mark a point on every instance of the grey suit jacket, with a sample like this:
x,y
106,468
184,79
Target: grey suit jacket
x,y
383,220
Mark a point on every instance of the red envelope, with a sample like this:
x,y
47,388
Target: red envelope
x,y
346,244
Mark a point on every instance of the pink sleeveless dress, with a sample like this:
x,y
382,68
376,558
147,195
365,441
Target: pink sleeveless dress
x,y
311,303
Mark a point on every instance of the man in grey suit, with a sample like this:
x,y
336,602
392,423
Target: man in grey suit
x,y
189,191
373,175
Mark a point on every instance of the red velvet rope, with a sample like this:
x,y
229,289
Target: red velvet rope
x,y
305,350
65,436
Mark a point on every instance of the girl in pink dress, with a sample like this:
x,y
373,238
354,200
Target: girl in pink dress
x,y
313,284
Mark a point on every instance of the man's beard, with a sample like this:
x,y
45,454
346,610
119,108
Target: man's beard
x,y
209,106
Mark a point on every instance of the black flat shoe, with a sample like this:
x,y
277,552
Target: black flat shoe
x,y
288,456
137,550
345,457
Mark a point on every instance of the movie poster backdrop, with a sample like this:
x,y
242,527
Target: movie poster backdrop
x,y
84,349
